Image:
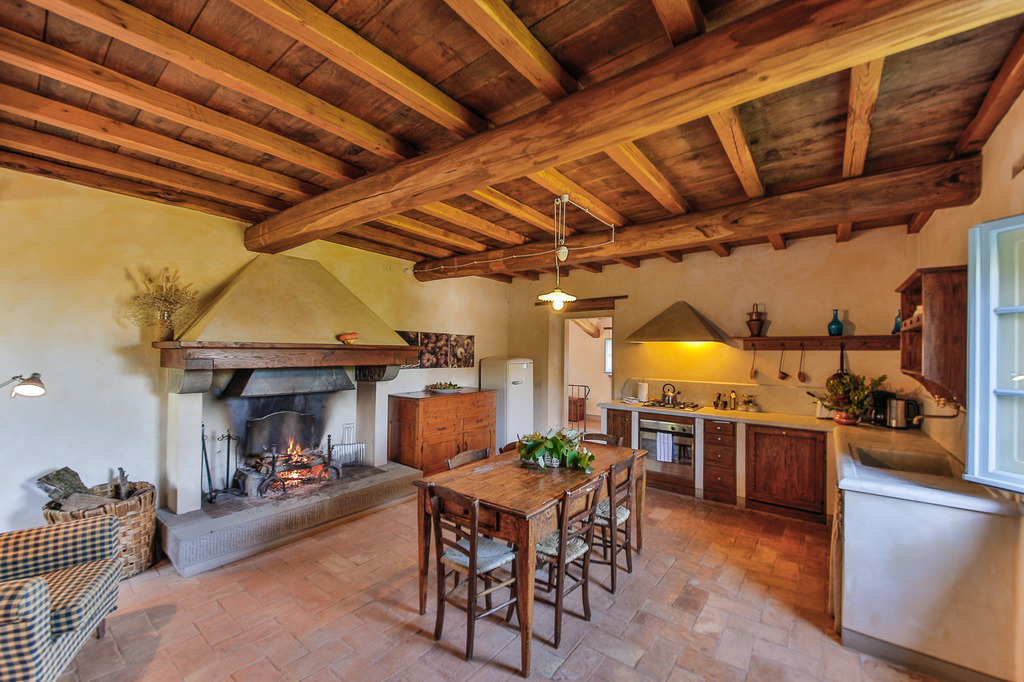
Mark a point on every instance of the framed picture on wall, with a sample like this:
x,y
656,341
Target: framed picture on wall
x,y
462,351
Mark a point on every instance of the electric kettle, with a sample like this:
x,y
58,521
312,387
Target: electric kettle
x,y
668,394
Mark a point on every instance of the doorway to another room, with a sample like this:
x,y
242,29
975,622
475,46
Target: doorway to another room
x,y
588,370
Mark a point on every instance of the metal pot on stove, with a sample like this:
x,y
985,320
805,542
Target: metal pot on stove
x,y
668,394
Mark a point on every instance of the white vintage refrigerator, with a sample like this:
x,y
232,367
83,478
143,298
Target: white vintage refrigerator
x,y
513,379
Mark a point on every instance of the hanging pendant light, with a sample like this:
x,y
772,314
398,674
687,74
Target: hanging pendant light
x,y
558,298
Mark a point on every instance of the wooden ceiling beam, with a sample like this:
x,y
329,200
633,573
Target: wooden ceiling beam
x,y
397,240
504,279
630,159
372,247
86,178
672,256
472,222
760,54
918,221
778,241
723,250
865,80
588,327
423,229
47,60
589,267
147,33
61,149
843,232
1004,91
556,183
506,33
514,208
874,197
306,23
628,262
29,105
682,19
531,275
730,132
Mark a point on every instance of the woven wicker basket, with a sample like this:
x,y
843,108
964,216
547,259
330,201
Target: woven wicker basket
x,y
137,521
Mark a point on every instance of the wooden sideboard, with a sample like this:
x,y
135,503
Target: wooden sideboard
x,y
425,429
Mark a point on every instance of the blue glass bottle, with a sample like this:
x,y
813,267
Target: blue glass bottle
x,y
835,327
896,326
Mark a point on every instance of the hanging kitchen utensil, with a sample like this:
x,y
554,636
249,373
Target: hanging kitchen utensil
x,y
842,366
782,356
801,377
753,369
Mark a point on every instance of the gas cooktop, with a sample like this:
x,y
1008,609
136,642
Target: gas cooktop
x,y
681,406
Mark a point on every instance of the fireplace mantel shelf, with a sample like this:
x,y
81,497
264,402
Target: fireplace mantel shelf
x,y
211,355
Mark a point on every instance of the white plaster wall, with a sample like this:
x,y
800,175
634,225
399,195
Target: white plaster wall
x,y
69,253
585,362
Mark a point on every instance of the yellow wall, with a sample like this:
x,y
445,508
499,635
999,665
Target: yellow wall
x,y
69,256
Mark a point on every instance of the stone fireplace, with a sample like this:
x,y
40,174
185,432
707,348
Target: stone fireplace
x,y
272,335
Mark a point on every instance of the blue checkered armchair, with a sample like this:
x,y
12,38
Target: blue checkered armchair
x,y
57,585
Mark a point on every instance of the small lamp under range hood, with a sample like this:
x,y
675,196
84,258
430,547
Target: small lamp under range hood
x,y
678,322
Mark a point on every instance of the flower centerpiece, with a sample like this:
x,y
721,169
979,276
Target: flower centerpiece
x,y
556,448
163,304
850,396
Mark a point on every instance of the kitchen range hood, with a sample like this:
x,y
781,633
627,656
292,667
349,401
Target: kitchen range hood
x,y
678,322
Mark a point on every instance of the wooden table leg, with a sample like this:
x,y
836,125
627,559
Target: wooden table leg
x,y
526,566
423,553
641,490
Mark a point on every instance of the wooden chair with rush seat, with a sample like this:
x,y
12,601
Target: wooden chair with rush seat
x,y
465,458
613,518
607,439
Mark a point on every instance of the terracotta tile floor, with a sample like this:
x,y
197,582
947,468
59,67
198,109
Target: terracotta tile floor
x,y
718,594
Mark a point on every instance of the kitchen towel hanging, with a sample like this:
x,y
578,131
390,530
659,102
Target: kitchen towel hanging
x,y
663,447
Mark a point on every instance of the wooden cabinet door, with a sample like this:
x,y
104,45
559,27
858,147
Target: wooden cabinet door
x,y
479,438
620,425
434,453
786,470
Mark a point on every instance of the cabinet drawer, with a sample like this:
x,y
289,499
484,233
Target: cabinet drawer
x,y
719,479
719,439
440,424
719,428
723,456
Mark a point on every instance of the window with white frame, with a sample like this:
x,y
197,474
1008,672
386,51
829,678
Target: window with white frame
x,y
995,314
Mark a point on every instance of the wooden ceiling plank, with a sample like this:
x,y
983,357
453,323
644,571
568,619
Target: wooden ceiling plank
x,y
682,19
778,241
556,183
865,80
672,256
723,250
843,232
41,58
15,101
589,267
527,274
1004,91
506,33
60,149
514,208
307,24
394,239
504,279
730,131
628,262
588,327
78,176
472,222
429,231
629,157
941,185
145,32
755,56
373,247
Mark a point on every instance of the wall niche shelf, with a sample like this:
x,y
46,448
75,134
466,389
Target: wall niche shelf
x,y
876,342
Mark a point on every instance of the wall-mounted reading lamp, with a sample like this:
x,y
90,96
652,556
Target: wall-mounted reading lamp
x,y
30,388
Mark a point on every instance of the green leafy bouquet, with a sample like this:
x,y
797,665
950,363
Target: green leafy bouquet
x,y
564,446
850,393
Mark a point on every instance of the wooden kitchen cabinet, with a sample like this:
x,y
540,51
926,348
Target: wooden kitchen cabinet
x,y
425,429
933,344
620,425
720,461
786,471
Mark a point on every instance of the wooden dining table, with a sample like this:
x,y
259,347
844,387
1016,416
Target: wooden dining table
x,y
524,500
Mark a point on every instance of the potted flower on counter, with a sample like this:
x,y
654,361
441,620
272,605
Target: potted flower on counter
x,y
554,449
850,396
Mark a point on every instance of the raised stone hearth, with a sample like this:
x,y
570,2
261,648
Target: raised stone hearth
x,y
237,527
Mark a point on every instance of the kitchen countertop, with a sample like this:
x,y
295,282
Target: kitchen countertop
x,y
763,418
948,491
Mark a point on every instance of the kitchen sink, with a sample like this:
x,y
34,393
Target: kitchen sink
x,y
934,465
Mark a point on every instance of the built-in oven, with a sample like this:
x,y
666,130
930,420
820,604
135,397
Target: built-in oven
x,y
669,445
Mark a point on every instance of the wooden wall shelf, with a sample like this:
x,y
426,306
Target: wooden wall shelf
x,y
878,342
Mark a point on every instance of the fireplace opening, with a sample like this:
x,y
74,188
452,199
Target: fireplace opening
x,y
283,453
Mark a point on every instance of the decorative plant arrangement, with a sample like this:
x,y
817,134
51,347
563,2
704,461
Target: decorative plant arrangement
x,y
850,396
444,387
164,303
556,448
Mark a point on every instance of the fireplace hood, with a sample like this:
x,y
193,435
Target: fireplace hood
x,y
282,312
